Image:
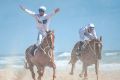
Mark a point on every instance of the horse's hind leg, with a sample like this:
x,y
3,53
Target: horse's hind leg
x,y
72,69
32,71
73,62
26,65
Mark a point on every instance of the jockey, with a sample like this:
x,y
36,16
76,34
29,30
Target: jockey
x,y
87,34
42,20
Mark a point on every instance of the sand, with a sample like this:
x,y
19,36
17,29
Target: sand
x,y
61,74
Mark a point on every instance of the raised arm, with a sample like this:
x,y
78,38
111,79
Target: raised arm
x,y
53,13
27,11
94,34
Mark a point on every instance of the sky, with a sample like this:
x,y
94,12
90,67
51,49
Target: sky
x,y
18,29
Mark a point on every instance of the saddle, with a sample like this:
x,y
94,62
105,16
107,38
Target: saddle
x,y
81,48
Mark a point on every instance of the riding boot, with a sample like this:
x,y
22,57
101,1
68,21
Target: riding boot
x,y
33,49
80,48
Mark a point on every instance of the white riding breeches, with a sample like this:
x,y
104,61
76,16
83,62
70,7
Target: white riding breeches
x,y
40,37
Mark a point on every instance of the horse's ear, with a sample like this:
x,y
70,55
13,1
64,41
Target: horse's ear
x,y
52,31
100,38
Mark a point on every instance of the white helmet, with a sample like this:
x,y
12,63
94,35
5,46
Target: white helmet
x,y
42,8
91,25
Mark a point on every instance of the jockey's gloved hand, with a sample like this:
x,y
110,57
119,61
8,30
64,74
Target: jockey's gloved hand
x,y
52,47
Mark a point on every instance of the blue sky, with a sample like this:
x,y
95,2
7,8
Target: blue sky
x,y
18,29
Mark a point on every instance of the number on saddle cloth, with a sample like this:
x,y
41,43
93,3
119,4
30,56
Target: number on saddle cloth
x,y
45,21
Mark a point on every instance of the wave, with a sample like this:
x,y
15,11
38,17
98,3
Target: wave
x,y
64,54
61,59
112,54
63,64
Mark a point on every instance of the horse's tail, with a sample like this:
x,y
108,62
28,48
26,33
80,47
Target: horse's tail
x,y
70,62
26,64
73,57
96,68
25,60
73,53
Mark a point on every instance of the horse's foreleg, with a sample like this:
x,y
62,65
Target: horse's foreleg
x,y
84,68
32,71
96,68
72,69
40,72
54,74
54,70
73,61
85,74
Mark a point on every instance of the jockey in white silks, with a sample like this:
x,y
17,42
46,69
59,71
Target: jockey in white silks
x,y
42,21
87,34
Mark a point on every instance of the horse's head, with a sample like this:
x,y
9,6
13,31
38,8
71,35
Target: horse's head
x,y
96,41
96,44
50,38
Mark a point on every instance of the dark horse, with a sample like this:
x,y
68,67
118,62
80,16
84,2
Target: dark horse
x,y
43,56
89,56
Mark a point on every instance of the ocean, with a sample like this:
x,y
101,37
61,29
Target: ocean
x,y
109,61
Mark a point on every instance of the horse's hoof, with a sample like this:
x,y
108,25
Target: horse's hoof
x,y
71,73
85,78
80,75
54,76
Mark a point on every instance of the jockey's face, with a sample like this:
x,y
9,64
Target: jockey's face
x,y
90,29
41,12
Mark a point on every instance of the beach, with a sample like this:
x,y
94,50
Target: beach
x,y
61,74
12,68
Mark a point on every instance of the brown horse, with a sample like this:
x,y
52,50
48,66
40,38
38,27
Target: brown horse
x,y
89,56
43,56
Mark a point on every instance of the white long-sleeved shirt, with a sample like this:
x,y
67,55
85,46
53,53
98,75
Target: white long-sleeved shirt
x,y
85,35
41,21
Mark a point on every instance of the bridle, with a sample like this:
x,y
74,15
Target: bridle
x,y
48,43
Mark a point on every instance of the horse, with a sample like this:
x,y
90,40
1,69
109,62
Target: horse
x,y
43,56
90,55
